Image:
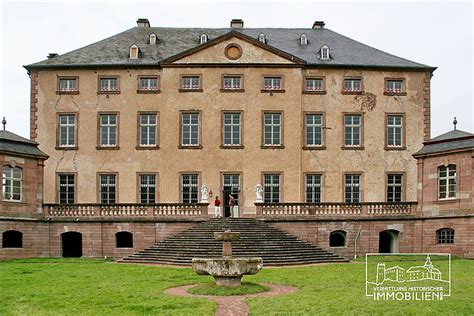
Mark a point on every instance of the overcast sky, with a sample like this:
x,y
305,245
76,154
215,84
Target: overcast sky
x,y
437,34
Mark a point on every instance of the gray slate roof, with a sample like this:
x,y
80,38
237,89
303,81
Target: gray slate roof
x,y
453,140
114,51
15,144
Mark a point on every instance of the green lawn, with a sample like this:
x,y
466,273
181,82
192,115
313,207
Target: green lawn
x,y
68,286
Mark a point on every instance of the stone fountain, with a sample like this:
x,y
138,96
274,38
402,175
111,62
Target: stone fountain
x,y
227,271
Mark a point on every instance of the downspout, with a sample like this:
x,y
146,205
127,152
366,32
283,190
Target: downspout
x,y
355,244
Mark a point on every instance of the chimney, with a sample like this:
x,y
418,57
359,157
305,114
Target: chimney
x,y
143,23
237,23
318,25
52,55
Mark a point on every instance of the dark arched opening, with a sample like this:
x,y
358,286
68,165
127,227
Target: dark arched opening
x,y
124,240
71,244
12,239
388,241
337,238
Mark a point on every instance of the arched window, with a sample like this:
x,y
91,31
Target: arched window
x,y
337,238
124,240
262,38
12,183
447,182
12,239
445,236
303,39
134,51
203,39
152,39
324,53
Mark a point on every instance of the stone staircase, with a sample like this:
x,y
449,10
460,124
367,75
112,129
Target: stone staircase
x,y
257,239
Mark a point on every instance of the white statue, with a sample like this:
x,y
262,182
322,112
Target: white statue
x,y
259,192
204,194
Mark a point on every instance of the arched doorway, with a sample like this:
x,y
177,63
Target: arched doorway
x,y
71,243
388,241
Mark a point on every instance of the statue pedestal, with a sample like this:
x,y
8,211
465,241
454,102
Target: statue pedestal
x,y
228,281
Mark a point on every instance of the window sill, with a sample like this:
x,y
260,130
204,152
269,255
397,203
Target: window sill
x,y
447,201
147,147
66,148
190,147
190,90
306,147
314,92
445,244
394,93
352,147
12,202
389,148
352,92
67,92
272,147
108,92
272,91
148,91
107,147
232,90
232,146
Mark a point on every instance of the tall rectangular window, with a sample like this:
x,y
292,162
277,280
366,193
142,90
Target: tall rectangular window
x,y
394,187
67,85
313,188
272,129
314,84
272,83
66,188
190,129
108,84
271,185
232,129
12,183
352,188
394,86
352,130
232,82
190,82
352,85
189,188
314,129
67,130
447,182
147,192
148,129
148,84
394,131
108,130
107,188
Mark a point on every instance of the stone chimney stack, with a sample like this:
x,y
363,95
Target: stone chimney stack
x,y
143,23
318,25
237,23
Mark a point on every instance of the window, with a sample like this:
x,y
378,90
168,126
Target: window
x,y
147,192
123,240
325,53
445,236
272,83
447,182
108,84
134,52
147,84
189,129
352,188
12,183
394,86
148,129
394,187
232,129
67,130
12,239
352,85
189,83
232,83
189,188
314,129
352,130
67,84
262,38
313,85
203,39
271,184
303,39
108,130
394,130
66,188
152,39
337,238
108,186
313,188
272,129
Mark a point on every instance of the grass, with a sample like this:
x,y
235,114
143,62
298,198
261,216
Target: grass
x,y
89,287
211,288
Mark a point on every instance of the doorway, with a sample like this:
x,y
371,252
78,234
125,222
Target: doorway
x,y
231,186
71,243
388,241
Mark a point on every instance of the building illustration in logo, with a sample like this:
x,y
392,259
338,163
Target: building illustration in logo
x,y
416,273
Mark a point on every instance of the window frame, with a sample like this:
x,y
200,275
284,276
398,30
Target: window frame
x,y
157,179
58,131
447,178
403,186
403,132
58,187
352,92
323,85
361,181
12,179
139,145
117,134
361,132
181,145
321,54
134,52
241,134
270,146
280,188
65,92
224,76
99,187
403,91
321,188
273,76
445,240
181,78
148,91
103,77
180,184
305,145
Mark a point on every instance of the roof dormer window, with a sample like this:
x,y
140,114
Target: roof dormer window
x,y
152,39
324,53
203,39
262,38
134,51
303,39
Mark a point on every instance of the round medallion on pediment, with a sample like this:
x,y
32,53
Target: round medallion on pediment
x,y
233,51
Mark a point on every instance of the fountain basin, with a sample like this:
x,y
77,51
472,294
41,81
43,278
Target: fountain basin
x,y
227,271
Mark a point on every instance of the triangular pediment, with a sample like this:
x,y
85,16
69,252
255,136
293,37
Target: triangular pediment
x,y
233,48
